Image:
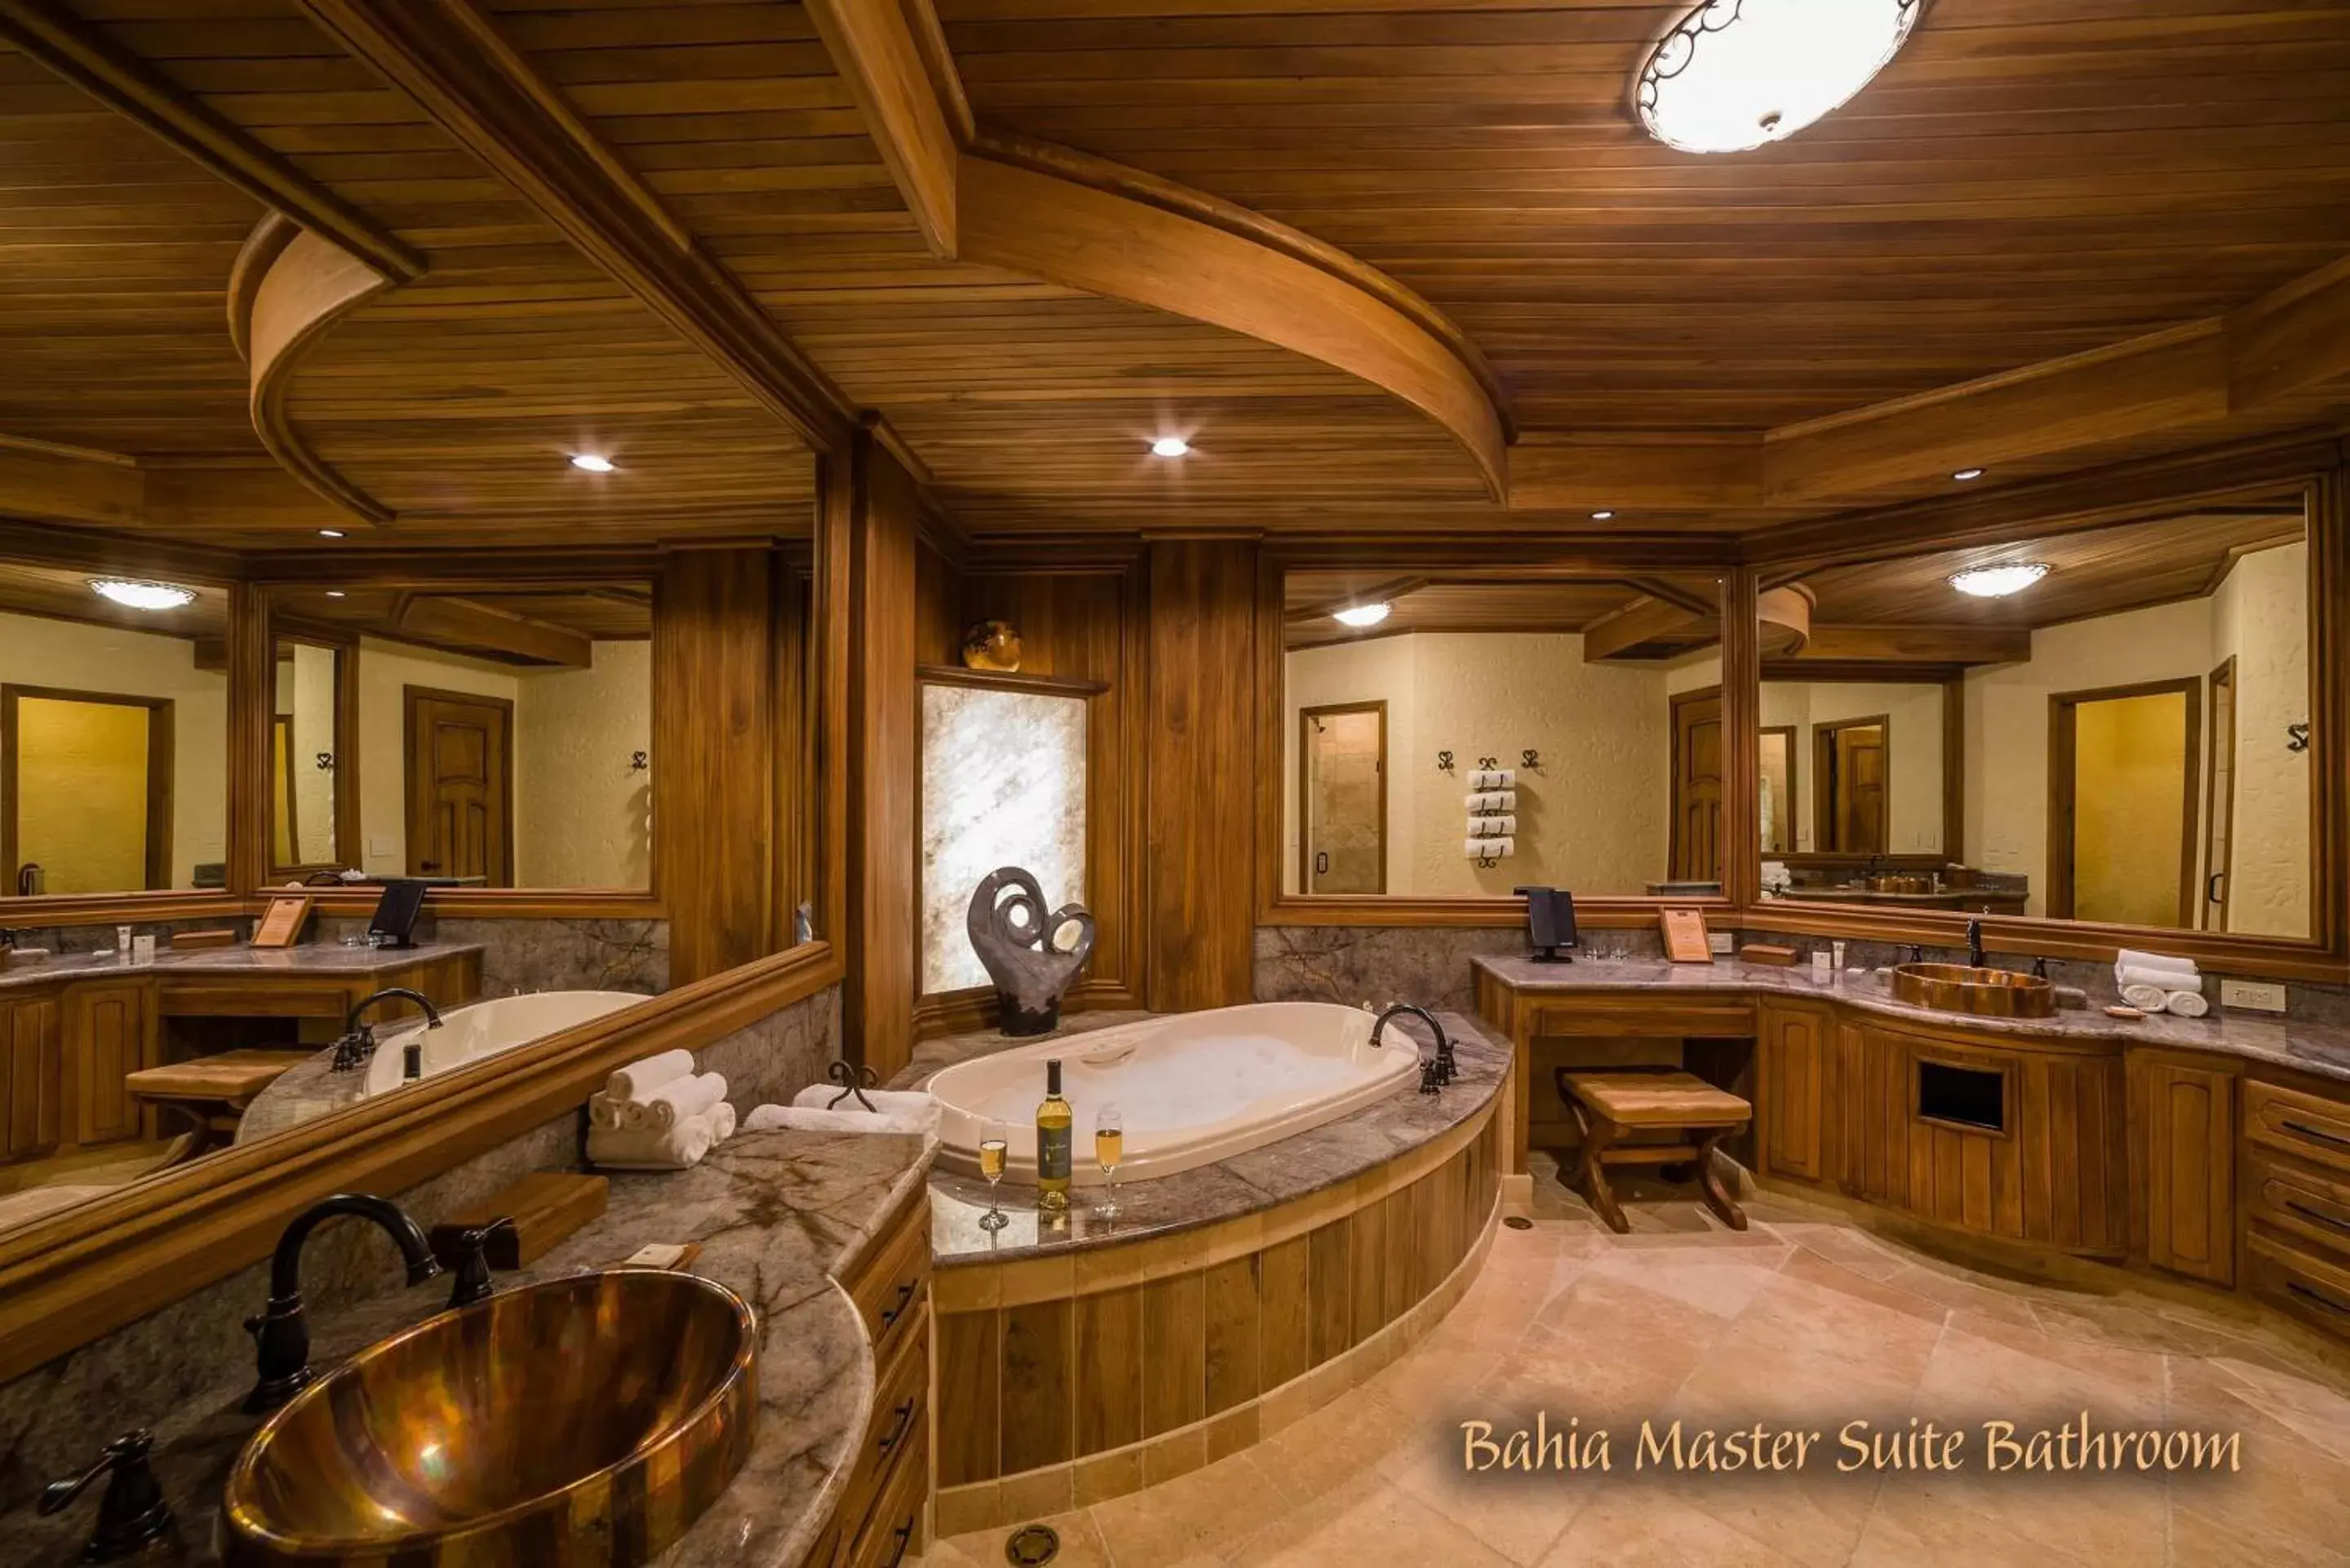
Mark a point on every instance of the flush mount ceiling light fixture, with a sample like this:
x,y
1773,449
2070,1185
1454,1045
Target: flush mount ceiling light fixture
x,y
1361,615
142,596
1733,75
1998,582
330,533
1966,474
592,463
1603,515
1170,446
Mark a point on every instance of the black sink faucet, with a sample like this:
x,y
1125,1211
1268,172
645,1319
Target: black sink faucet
x,y
1974,944
280,1331
1443,1063
358,1042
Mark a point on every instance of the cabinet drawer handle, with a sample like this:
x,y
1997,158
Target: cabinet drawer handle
x,y
905,1295
2320,1297
2306,1213
905,1535
2320,1135
897,1433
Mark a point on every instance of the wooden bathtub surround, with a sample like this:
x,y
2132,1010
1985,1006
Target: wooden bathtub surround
x,y
1609,1106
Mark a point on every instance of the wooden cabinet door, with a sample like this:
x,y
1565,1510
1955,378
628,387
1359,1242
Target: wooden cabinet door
x,y
32,1079
110,1035
1795,1043
2184,1145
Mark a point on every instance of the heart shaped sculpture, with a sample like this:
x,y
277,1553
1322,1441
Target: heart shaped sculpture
x,y
1022,947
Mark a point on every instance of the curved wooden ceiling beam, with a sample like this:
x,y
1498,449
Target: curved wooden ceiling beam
x,y
310,284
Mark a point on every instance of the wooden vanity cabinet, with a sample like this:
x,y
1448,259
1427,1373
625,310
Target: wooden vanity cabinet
x,y
110,1027
32,1078
2296,1169
2183,1164
884,1507
1794,1046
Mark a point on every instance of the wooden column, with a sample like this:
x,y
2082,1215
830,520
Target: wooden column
x,y
1199,778
884,752
1742,720
714,734
248,739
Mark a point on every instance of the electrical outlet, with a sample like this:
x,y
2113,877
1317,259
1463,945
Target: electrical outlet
x,y
2253,995
1719,943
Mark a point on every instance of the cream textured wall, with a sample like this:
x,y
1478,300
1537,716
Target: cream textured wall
x,y
305,691
1590,820
69,654
582,819
1913,748
2260,616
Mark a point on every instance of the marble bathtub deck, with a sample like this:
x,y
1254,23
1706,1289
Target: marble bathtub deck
x,y
1242,1184
1804,1319
2321,1049
776,1214
311,958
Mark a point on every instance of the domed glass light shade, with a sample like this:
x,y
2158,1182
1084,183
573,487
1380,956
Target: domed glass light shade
x,y
1998,582
1735,74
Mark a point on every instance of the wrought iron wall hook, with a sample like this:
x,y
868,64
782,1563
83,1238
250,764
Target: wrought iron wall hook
x,y
1444,762
1530,759
326,761
853,1080
639,762
2296,737
1487,765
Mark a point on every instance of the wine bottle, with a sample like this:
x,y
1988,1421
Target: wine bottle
x,y
1054,1131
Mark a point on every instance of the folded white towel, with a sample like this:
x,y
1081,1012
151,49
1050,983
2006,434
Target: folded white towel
x,y
1494,778
2186,1004
2131,958
674,1149
1488,848
2167,979
603,1112
673,1102
885,1101
1492,826
637,1079
798,1118
2145,998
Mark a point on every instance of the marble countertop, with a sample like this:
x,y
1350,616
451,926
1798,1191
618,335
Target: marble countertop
x,y
310,959
2320,1049
1239,1185
776,1214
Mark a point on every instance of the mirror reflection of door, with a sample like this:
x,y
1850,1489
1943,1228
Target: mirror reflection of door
x,y
2122,814
1778,786
460,786
87,783
1697,786
1849,767
2219,840
284,798
1343,798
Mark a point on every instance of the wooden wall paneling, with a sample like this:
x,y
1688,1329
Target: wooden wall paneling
x,y
714,731
969,1361
885,755
1039,1382
1233,1316
1109,1362
1201,776
1331,1269
1285,1273
1174,1353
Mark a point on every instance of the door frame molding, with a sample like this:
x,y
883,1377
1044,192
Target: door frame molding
x,y
1305,791
410,696
1793,733
2061,756
1673,705
163,763
2221,674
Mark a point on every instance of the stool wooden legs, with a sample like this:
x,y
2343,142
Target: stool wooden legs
x,y
1591,1176
1709,1182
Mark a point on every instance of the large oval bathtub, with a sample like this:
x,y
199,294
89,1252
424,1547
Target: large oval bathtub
x,y
1193,1088
482,1029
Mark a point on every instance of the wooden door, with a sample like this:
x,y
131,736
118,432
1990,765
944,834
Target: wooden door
x,y
110,1035
1343,798
2122,796
1698,755
2184,1149
2219,812
460,786
1794,1043
1849,774
32,1079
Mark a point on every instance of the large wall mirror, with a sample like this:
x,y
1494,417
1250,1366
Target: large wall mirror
x,y
114,734
1458,734
2109,726
488,738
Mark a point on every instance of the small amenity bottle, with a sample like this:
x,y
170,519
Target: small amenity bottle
x,y
1054,1136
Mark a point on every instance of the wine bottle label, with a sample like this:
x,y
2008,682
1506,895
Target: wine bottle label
x,y
1055,1161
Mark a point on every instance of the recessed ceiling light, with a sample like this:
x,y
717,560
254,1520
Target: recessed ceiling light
x,y
330,533
1738,73
1170,446
1966,474
334,593
142,596
1998,582
1361,615
593,463
1602,515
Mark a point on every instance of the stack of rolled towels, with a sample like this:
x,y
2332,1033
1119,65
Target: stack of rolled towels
x,y
2158,982
658,1114
812,1110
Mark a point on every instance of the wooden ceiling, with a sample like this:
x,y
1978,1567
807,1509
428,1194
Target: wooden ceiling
x,y
1501,600
552,628
1391,269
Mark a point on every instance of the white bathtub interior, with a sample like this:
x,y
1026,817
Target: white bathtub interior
x,y
480,1030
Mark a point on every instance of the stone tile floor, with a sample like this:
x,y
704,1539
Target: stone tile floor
x,y
1803,1321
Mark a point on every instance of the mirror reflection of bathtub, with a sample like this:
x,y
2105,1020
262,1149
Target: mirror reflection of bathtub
x,y
468,1035
1193,1088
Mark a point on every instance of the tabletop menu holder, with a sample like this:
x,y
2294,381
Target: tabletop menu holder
x,y
1550,923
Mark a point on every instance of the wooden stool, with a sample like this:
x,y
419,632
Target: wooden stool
x,y
213,1092
1606,1105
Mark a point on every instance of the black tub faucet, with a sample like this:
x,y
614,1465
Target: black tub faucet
x,y
1443,1063
280,1331
1974,944
358,1043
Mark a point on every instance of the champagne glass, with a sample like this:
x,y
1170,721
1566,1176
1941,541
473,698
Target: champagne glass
x,y
1109,1147
993,1148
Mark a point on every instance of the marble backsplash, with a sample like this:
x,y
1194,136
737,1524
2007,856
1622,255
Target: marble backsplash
x,y
54,1419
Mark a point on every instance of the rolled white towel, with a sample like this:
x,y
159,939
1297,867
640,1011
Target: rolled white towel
x,y
603,1112
2186,1004
885,1101
1492,827
721,1117
2145,998
632,1083
1494,778
798,1118
1490,803
1488,848
2131,958
674,1149
673,1102
2167,979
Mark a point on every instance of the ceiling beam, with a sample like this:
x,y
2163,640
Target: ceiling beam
x,y
2292,341
1638,624
1896,645
463,73
464,623
1667,473
307,286
41,481
90,60
876,49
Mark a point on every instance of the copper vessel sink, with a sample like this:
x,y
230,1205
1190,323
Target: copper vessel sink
x,y
588,1420
1985,993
